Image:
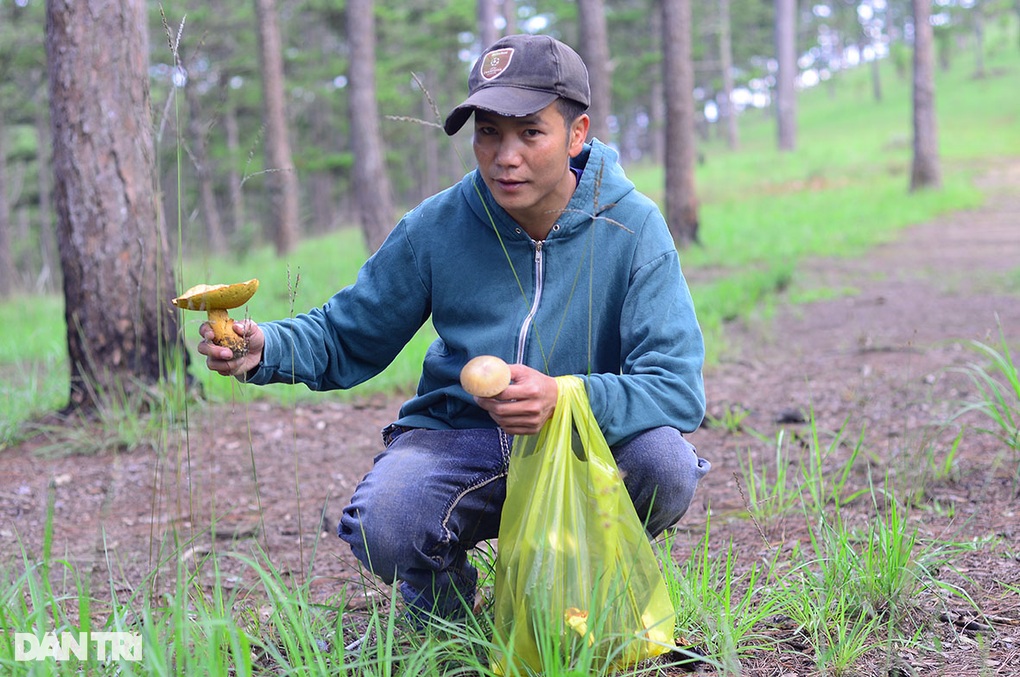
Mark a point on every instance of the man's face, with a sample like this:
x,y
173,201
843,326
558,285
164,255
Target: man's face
x,y
525,162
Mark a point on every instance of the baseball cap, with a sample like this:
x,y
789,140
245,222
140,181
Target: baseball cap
x,y
520,75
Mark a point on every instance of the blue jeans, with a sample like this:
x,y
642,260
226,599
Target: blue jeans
x,y
432,495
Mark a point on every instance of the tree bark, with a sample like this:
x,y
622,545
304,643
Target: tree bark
x,y
977,13
215,238
925,171
234,187
656,103
320,181
373,195
678,80
431,174
1016,8
48,278
117,279
281,177
510,16
786,57
487,33
729,114
876,80
6,225
594,45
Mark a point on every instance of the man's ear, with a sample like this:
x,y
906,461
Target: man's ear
x,y
578,133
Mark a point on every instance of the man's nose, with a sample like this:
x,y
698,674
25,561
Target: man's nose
x,y
509,152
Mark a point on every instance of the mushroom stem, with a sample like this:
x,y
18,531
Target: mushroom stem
x,y
223,331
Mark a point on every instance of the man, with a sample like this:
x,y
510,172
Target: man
x,y
546,256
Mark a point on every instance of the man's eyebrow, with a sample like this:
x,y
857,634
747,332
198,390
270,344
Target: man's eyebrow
x,y
486,116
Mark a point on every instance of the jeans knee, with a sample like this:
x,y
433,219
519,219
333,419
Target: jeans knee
x,y
371,543
662,470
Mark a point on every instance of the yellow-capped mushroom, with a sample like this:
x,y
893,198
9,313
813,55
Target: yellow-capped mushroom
x,y
577,620
216,300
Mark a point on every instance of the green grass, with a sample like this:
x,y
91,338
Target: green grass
x,y
996,381
855,587
33,361
859,586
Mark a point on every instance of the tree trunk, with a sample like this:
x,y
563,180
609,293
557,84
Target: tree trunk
x,y
977,13
372,192
281,179
729,114
117,279
1016,8
786,57
656,144
876,79
944,49
678,80
48,278
487,33
510,16
321,181
203,171
431,174
25,266
6,225
234,188
925,171
594,44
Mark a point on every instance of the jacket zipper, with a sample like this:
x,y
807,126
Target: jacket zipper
x,y
526,325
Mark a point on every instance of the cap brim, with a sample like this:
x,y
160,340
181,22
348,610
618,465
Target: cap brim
x,y
509,101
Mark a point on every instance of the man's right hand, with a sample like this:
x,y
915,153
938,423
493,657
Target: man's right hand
x,y
222,360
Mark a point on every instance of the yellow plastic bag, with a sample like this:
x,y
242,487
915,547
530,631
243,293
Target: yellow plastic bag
x,y
575,572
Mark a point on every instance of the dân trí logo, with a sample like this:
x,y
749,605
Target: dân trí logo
x,y
103,646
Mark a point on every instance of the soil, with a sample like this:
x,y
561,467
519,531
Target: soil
x,y
875,366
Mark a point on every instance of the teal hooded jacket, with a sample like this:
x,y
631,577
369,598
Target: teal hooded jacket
x,y
602,297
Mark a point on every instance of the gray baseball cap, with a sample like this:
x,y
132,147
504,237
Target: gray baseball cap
x,y
520,75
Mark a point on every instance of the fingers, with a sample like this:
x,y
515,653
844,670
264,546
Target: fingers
x,y
221,367
517,412
526,404
245,328
222,360
233,366
218,359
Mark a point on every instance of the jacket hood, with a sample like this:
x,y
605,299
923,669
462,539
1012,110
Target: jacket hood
x,y
603,183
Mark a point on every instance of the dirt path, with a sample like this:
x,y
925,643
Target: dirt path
x,y
875,361
879,364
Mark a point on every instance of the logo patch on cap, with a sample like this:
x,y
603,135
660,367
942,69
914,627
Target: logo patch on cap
x,y
496,62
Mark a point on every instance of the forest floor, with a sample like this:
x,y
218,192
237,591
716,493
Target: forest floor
x,y
876,361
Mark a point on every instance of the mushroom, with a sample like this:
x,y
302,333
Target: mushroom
x,y
577,620
216,300
485,376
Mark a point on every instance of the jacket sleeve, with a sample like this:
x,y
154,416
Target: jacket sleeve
x,y
662,354
358,332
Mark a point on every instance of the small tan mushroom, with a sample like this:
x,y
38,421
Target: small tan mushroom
x,y
485,376
216,300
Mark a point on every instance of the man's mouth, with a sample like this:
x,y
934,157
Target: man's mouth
x,y
509,184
